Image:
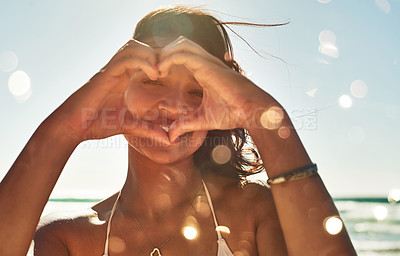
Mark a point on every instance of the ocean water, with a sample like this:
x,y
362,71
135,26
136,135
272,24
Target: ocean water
x,y
373,223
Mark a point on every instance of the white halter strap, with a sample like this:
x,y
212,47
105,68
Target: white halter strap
x,y
212,209
109,224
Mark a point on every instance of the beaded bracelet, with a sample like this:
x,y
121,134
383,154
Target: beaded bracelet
x,y
295,175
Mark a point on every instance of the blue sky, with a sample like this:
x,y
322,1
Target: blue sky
x,y
327,47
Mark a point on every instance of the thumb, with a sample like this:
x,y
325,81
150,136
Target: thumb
x,y
144,129
183,125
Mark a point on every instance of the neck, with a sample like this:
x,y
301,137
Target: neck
x,y
154,189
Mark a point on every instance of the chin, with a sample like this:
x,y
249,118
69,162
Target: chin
x,y
167,160
164,155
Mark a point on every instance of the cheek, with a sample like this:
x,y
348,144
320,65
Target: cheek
x,y
130,95
194,102
136,100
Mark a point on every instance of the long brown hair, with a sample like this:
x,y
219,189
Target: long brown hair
x,y
209,33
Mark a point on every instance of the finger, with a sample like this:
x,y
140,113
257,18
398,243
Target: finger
x,y
133,42
141,50
136,49
182,44
129,65
191,61
182,126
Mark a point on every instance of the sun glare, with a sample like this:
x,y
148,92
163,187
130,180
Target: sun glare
x,y
327,45
345,101
380,212
358,89
394,196
189,232
333,225
384,5
272,118
19,85
8,61
221,154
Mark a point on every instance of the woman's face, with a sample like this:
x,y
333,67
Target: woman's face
x,y
161,102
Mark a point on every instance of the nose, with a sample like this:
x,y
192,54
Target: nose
x,y
173,105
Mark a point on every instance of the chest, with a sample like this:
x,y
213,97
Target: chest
x,y
196,236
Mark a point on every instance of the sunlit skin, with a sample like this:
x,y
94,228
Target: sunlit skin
x,y
161,102
174,83
162,179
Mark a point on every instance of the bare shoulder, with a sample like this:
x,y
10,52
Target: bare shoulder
x,y
59,232
254,196
262,202
61,222
55,230
252,201
270,239
256,188
260,197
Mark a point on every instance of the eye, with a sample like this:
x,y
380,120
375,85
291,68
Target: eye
x,y
198,93
152,82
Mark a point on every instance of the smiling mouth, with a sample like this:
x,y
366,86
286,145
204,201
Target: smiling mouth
x,y
165,128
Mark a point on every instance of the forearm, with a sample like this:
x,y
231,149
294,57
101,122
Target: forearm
x,y
26,188
302,205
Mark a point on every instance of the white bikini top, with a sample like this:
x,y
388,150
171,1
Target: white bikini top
x,y
223,248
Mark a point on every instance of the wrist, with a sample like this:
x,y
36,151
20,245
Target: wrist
x,y
266,114
296,174
54,131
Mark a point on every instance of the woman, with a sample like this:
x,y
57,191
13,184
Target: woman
x,y
179,98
